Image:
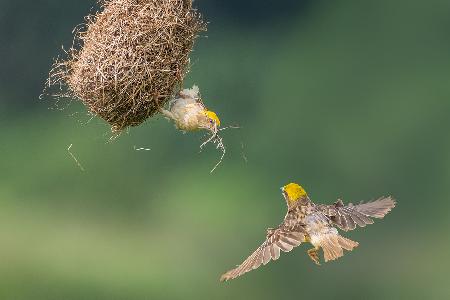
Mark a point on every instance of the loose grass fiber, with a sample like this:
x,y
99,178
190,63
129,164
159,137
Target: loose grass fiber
x,y
130,58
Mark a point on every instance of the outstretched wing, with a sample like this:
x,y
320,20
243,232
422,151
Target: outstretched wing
x,y
346,217
278,239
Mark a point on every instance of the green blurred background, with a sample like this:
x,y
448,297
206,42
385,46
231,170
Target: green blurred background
x,y
349,98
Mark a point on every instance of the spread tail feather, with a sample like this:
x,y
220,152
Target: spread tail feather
x,y
333,245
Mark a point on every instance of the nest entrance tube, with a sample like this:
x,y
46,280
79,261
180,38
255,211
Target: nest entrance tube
x,y
130,59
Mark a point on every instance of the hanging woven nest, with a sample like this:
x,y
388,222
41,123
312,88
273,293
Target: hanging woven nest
x,y
130,58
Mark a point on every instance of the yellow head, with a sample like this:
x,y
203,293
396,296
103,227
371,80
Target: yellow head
x,y
293,192
212,118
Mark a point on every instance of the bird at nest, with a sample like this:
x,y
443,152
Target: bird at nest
x,y
307,222
188,113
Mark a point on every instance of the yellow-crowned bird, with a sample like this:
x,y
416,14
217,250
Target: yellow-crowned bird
x,y
189,113
306,221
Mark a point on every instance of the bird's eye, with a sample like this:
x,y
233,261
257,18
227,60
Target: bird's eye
x,y
211,121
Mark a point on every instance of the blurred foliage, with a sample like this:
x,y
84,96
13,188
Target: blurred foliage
x,y
349,98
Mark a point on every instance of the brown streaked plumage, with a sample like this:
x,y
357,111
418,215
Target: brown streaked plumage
x,y
308,222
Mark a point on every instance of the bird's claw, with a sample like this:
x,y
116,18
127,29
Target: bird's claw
x,y
314,255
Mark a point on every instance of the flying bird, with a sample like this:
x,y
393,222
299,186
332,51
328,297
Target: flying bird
x,y
316,224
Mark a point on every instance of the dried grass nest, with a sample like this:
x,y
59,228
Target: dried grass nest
x,y
130,58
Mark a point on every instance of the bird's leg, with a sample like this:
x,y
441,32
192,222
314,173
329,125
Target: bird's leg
x,y
314,255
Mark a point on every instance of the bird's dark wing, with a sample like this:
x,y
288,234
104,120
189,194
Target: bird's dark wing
x,y
278,239
346,217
